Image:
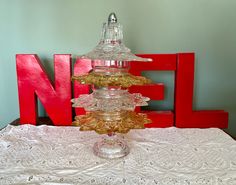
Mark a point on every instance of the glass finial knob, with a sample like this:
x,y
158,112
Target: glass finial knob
x,y
112,18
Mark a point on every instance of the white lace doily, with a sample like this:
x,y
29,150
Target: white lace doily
x,y
49,155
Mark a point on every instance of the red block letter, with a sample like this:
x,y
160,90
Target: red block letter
x,y
184,115
33,80
165,62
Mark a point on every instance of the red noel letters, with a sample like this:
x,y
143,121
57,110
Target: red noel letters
x,y
33,82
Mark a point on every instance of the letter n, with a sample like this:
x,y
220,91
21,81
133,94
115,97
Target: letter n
x,y
33,82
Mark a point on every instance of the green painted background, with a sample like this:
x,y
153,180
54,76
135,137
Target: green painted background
x,y
46,27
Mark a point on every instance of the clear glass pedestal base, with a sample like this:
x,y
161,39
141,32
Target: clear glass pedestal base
x,y
111,147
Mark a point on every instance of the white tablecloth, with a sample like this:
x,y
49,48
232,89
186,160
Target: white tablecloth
x,y
165,156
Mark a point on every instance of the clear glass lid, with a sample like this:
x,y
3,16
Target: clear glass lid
x,y
111,46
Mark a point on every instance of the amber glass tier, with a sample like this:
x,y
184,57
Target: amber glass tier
x,y
110,122
124,80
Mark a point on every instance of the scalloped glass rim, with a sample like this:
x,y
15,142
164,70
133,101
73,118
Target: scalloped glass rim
x,y
110,100
115,57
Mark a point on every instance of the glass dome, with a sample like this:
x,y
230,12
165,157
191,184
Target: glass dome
x,y
111,46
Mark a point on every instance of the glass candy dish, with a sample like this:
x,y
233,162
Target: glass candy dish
x,y
110,108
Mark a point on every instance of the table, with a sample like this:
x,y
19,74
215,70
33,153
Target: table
x,y
50,155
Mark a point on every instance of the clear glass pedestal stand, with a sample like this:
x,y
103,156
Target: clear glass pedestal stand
x,y
111,146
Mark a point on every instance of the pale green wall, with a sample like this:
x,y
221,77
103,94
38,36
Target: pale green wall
x,y
46,27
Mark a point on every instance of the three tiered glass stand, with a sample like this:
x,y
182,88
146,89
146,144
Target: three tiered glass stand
x,y
110,107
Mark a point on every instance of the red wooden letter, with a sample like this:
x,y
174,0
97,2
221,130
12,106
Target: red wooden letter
x,y
33,80
155,91
184,115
